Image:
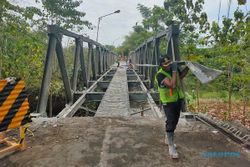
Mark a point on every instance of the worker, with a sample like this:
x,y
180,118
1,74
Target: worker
x,y
171,93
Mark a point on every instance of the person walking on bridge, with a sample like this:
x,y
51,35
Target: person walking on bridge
x,y
168,80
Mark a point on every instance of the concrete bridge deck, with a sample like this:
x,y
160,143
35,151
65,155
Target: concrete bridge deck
x,y
120,142
115,102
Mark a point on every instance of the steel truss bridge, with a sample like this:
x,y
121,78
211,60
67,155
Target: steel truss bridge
x,y
118,91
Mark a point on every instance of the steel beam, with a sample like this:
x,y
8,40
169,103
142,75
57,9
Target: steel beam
x,y
158,36
44,91
83,67
55,37
91,96
134,77
93,63
54,29
154,107
133,96
101,84
142,96
76,65
67,86
69,111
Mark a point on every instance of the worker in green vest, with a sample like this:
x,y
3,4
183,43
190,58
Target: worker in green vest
x,y
168,80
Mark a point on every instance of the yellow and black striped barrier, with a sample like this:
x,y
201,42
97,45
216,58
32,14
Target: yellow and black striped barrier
x,y
14,112
14,105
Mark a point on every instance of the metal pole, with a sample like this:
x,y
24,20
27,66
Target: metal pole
x,y
99,20
98,27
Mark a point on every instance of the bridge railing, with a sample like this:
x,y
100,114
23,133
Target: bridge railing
x,y
99,60
148,53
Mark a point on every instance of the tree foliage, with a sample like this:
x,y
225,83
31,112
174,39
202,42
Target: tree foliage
x,y
133,40
63,13
188,14
22,55
23,46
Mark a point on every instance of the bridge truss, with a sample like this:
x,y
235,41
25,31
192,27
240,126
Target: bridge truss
x,y
99,60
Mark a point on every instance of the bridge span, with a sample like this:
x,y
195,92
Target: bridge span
x,y
112,117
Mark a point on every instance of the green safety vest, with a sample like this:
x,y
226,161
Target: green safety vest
x,y
168,95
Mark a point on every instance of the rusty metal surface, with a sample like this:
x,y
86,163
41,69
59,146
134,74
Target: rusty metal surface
x,y
14,105
203,73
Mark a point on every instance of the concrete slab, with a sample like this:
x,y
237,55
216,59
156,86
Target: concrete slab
x,y
120,142
115,102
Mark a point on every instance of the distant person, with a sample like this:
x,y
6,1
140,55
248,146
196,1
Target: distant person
x,y
118,63
168,80
129,60
130,65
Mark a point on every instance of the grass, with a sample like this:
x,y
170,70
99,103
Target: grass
x,y
220,95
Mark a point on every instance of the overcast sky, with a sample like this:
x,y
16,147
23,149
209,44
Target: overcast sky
x,y
114,27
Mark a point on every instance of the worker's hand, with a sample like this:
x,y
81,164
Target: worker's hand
x,y
174,66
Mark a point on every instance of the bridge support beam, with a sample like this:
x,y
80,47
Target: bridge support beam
x,y
69,111
95,62
61,61
44,92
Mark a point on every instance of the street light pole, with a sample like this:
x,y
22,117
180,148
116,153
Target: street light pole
x,y
99,20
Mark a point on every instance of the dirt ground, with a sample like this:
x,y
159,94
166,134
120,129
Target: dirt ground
x,y
118,142
218,109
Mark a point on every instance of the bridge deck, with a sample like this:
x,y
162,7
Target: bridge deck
x,y
120,142
115,102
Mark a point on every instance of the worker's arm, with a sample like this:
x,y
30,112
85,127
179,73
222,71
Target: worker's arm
x,y
171,82
184,72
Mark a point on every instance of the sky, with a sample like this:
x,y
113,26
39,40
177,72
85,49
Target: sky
x,y
115,27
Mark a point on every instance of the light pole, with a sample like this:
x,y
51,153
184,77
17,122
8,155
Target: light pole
x,y
99,20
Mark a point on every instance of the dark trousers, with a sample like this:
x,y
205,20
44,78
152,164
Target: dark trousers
x,y
172,113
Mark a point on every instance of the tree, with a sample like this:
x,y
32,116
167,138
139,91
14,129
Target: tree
x,y
22,52
20,48
188,14
231,41
7,9
63,13
133,40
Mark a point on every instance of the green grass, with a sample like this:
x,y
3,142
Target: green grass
x,y
220,95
